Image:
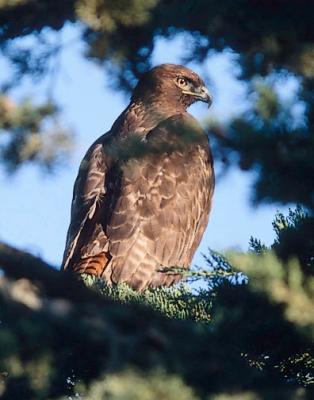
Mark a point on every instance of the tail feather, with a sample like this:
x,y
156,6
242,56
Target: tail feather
x,y
93,265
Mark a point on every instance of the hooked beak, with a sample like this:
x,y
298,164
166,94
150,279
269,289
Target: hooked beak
x,y
202,94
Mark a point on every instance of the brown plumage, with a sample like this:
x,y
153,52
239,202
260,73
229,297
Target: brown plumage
x,y
143,193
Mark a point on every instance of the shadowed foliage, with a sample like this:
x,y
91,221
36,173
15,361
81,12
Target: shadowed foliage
x,y
236,335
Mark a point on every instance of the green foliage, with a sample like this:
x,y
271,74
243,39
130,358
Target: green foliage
x,y
267,105
181,302
294,238
26,136
281,157
112,15
135,385
284,276
288,279
239,396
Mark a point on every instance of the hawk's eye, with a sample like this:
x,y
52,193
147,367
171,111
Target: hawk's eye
x,y
182,82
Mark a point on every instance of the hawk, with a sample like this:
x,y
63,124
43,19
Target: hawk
x,y
143,193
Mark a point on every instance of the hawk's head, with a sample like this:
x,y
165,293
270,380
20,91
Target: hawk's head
x,y
172,85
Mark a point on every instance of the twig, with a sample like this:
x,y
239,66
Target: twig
x,y
197,274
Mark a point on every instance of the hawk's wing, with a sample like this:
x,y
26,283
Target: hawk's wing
x,y
85,237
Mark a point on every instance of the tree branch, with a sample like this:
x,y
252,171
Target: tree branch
x,y
19,264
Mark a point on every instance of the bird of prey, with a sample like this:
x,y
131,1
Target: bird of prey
x,y
143,193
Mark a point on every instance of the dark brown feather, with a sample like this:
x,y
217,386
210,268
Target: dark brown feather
x,y
131,216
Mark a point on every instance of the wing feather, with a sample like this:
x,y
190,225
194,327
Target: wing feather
x,y
85,238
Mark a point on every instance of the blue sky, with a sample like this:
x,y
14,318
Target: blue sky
x,y
35,208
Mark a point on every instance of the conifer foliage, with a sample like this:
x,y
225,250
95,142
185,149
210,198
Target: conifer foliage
x,y
246,330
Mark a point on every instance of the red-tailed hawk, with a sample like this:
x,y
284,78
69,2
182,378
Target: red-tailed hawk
x,y
143,193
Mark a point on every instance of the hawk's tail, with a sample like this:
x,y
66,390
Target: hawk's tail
x,y
93,265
